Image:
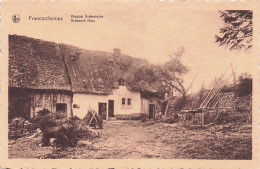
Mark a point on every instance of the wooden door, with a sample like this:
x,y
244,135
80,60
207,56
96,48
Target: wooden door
x,y
110,108
151,111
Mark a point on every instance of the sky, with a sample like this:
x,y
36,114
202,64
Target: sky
x,y
146,31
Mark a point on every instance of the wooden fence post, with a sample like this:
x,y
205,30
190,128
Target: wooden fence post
x,y
202,118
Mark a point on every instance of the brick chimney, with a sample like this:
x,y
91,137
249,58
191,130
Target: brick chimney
x,y
116,52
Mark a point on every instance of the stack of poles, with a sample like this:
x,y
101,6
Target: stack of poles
x,y
212,93
211,100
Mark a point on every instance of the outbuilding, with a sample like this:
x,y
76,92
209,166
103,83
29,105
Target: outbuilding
x,y
37,78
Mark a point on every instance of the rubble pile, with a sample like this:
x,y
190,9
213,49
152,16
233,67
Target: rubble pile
x,y
54,129
19,127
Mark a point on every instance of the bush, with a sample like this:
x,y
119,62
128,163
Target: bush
x,y
244,86
227,89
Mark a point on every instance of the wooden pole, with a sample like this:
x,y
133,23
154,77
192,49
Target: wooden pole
x,y
218,90
165,113
213,89
212,96
234,74
202,118
191,97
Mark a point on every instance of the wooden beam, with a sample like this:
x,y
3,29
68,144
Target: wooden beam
x,y
234,74
165,113
202,118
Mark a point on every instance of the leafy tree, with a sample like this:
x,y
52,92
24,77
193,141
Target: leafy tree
x,y
237,30
165,78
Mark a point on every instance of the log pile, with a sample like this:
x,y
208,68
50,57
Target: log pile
x,y
19,127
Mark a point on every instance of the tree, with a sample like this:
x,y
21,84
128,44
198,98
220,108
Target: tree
x,y
244,86
165,78
237,32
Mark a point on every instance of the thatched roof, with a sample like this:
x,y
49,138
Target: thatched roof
x,y
97,72
36,64
39,64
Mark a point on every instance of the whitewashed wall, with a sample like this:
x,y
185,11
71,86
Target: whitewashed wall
x,y
86,102
123,92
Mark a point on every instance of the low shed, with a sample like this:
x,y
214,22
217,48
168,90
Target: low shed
x,y
37,78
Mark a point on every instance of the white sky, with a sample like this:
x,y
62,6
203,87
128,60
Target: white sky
x,y
144,31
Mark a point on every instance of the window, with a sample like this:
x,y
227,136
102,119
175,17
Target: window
x,y
121,82
61,107
123,101
76,106
128,101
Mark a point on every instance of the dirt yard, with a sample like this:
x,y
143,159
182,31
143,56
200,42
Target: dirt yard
x,y
134,139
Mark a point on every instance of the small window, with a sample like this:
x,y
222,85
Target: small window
x,y
128,101
76,106
61,107
123,101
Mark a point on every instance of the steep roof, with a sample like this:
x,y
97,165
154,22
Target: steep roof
x,y
36,64
97,72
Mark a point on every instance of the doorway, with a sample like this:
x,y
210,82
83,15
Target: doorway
x,y
151,111
110,108
102,110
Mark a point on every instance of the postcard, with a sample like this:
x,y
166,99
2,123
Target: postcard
x,y
129,84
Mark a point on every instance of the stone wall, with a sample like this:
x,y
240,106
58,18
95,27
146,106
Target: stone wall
x,y
230,102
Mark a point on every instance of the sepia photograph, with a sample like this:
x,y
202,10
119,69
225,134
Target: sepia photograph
x,y
131,83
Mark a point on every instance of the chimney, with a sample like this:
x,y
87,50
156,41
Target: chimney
x,y
116,52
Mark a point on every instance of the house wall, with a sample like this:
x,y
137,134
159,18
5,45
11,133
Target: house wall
x,y
26,102
48,100
86,102
123,92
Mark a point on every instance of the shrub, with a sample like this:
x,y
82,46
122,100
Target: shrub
x,y
244,86
227,89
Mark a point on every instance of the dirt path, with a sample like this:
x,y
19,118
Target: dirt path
x,y
129,139
133,139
